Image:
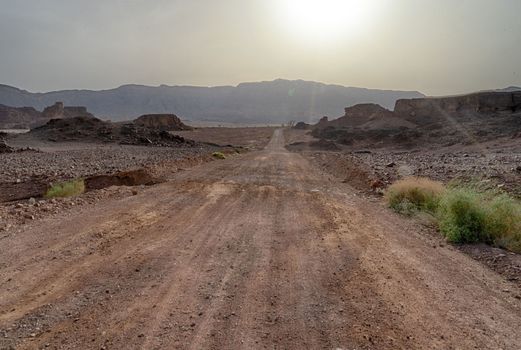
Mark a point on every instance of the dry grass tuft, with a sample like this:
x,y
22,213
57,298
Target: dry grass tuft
x,y
66,189
414,194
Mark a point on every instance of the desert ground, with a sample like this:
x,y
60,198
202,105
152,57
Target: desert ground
x,y
267,249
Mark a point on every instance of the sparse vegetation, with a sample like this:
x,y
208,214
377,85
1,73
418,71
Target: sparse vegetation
x,y
218,155
66,189
464,214
414,194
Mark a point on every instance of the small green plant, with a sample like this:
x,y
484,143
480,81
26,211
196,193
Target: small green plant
x,y
218,155
66,189
414,194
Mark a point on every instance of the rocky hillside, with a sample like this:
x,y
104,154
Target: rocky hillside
x,y
448,120
278,101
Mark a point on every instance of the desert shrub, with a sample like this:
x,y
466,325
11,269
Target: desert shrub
x,y
503,222
462,216
218,155
468,216
414,194
465,213
66,189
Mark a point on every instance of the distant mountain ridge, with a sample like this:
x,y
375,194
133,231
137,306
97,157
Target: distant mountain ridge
x,y
277,101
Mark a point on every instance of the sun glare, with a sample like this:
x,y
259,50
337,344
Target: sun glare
x,y
325,19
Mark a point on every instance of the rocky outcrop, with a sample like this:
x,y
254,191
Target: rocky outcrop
x,y
450,120
323,122
431,110
302,126
19,118
59,111
28,117
163,122
91,129
370,116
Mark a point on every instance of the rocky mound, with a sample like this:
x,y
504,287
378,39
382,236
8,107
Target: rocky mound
x,y
369,116
91,129
28,117
163,122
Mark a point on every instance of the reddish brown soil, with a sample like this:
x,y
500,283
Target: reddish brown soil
x,y
253,138
253,252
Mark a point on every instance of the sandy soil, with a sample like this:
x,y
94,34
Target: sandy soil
x,y
253,252
251,137
490,165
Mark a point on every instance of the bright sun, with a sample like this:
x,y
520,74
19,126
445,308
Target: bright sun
x,y
325,19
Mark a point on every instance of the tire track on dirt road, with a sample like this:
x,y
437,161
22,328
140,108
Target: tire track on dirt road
x,y
252,252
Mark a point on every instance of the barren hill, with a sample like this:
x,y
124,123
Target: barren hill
x,y
264,102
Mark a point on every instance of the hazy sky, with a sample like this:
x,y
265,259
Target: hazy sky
x,y
434,46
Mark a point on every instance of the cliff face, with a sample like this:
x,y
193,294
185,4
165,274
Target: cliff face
x,y
430,110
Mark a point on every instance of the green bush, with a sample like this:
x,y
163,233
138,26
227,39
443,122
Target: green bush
x,y
504,222
218,155
66,189
414,194
467,216
462,216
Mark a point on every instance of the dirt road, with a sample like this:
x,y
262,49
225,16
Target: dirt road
x,y
261,251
